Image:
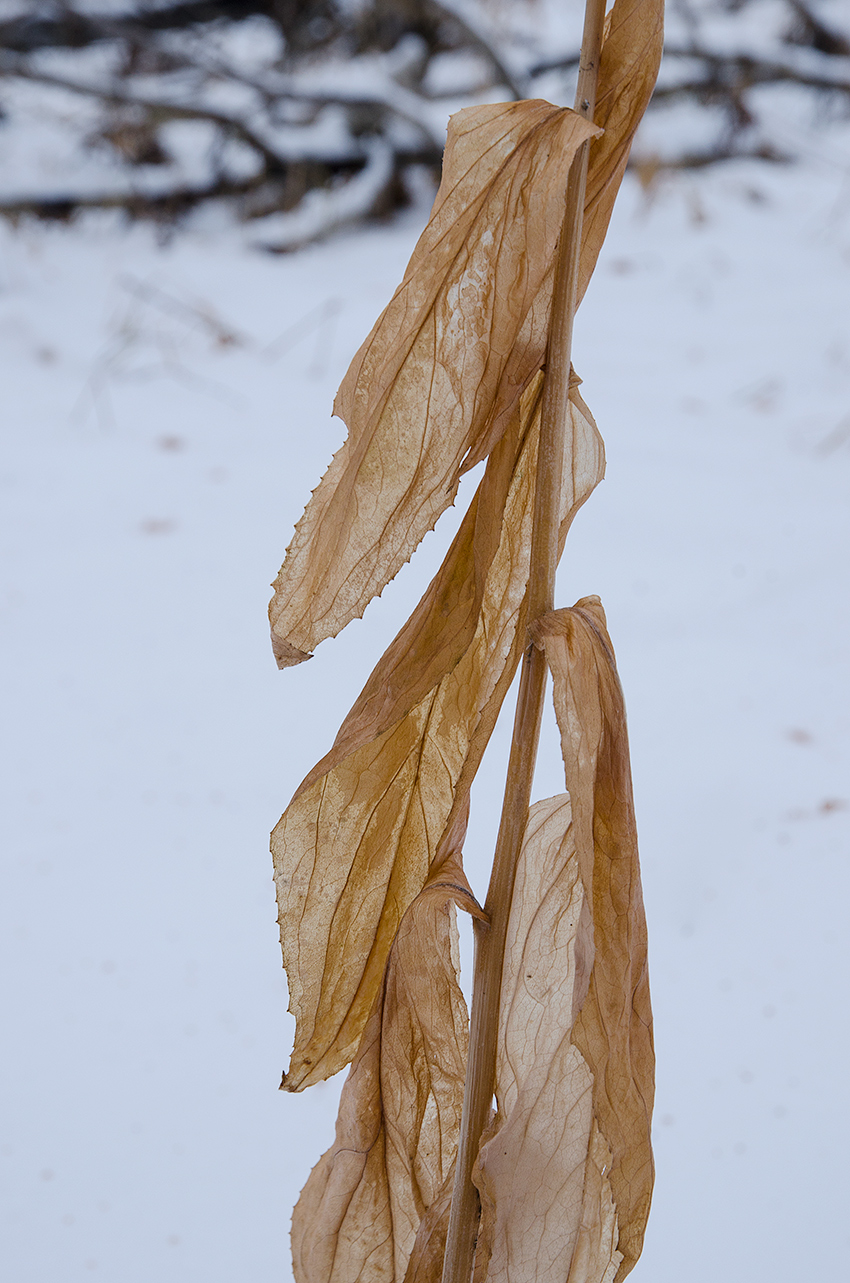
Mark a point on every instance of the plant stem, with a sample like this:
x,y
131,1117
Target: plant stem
x,y
490,938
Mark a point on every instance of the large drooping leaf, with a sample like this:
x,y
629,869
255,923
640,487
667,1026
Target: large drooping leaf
x,y
613,1028
399,1117
565,1171
547,1210
354,847
443,363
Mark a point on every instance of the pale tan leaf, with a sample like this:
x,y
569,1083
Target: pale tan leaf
x,y
546,1205
399,1118
613,1030
596,1258
444,622
354,847
437,381
565,1173
443,364
631,55
628,69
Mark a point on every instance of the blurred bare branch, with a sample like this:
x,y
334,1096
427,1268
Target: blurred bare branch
x,y
302,115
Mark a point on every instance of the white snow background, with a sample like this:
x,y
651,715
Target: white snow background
x,y
166,412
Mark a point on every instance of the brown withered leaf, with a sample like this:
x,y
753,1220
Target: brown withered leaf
x,y
547,1211
628,69
442,626
631,55
442,363
354,846
437,381
399,1118
613,1030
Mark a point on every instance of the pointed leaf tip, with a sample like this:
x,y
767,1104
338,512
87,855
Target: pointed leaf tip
x,y
287,656
355,845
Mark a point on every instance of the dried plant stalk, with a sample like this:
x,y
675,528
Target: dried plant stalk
x,y
490,943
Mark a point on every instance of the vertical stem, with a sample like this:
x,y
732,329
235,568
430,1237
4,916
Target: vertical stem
x,y
490,938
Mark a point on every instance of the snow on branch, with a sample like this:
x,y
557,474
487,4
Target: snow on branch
x,y
305,116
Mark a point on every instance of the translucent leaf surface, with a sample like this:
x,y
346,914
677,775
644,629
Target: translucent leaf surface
x,y
547,1210
613,1029
565,1170
628,69
396,1137
354,847
438,380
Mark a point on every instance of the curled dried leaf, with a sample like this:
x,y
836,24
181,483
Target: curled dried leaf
x,y
565,1172
629,62
355,845
613,1030
442,365
546,1201
628,70
396,1138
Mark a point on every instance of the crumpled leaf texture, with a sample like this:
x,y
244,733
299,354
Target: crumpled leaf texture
x,y
399,1118
547,1210
366,856
438,380
565,1171
613,1029
354,847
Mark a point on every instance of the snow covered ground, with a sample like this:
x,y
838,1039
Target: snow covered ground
x,y
166,412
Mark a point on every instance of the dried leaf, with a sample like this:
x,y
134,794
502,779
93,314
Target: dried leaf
x,y
354,847
631,54
396,1137
441,363
613,1030
437,381
442,626
628,69
565,1172
547,1211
